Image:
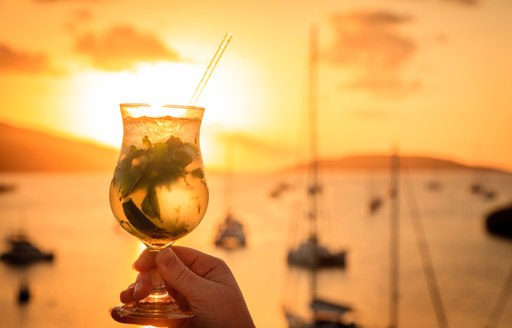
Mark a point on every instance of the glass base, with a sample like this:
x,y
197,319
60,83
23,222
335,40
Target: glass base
x,y
159,314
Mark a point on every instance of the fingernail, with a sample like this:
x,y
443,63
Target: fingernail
x,y
165,256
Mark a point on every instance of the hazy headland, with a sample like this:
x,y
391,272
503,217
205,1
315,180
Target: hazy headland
x,y
22,150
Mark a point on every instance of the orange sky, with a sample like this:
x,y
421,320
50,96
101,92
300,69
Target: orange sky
x,y
432,76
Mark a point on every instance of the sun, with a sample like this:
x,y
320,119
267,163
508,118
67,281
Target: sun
x,y
98,94
226,97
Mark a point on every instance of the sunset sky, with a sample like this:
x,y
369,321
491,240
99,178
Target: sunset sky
x,y
431,76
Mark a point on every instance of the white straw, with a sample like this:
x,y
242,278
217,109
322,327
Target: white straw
x,y
211,67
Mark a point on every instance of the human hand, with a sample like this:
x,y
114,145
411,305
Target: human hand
x,y
199,281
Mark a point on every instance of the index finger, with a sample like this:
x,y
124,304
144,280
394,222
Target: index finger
x,y
200,263
145,261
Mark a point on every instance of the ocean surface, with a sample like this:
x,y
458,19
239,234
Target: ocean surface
x,y
69,214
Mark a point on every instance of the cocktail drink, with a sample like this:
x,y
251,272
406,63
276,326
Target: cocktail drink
x,y
158,192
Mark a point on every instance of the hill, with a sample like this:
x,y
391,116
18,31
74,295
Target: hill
x,y
27,150
382,162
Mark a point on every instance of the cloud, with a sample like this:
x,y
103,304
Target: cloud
x,y
460,2
384,84
465,2
78,21
51,1
122,47
370,43
82,15
16,61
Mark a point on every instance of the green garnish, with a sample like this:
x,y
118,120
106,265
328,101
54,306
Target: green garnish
x,y
139,221
198,173
154,165
150,204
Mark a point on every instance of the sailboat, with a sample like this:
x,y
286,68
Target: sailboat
x,y
311,254
479,185
434,184
231,231
375,201
325,315
23,252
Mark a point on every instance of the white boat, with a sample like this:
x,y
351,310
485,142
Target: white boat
x,y
325,314
230,233
23,252
311,253
322,314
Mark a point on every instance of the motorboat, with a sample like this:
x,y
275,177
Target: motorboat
x,y
310,254
23,252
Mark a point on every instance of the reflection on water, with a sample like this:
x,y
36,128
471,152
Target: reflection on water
x,y
70,214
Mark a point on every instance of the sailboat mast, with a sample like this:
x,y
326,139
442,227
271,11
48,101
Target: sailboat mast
x,y
394,243
228,179
314,187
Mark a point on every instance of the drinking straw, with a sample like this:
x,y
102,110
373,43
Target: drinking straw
x,y
211,67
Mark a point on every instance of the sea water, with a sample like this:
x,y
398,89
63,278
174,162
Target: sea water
x,y
69,214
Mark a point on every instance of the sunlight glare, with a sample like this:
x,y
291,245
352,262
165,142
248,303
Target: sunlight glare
x,y
227,98
100,93
140,248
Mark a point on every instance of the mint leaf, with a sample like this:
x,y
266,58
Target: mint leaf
x,y
198,173
140,222
154,165
150,205
126,176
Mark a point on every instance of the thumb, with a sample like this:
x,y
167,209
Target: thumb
x,y
176,274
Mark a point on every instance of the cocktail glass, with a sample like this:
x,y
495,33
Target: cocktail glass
x,y
158,193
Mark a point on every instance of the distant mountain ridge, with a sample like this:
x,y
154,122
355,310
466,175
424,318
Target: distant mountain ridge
x,y
23,150
382,162
28,150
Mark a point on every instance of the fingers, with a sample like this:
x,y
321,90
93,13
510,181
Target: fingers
x,y
182,269
138,290
126,295
142,286
200,263
176,274
145,261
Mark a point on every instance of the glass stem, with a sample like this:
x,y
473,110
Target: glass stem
x,y
158,289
